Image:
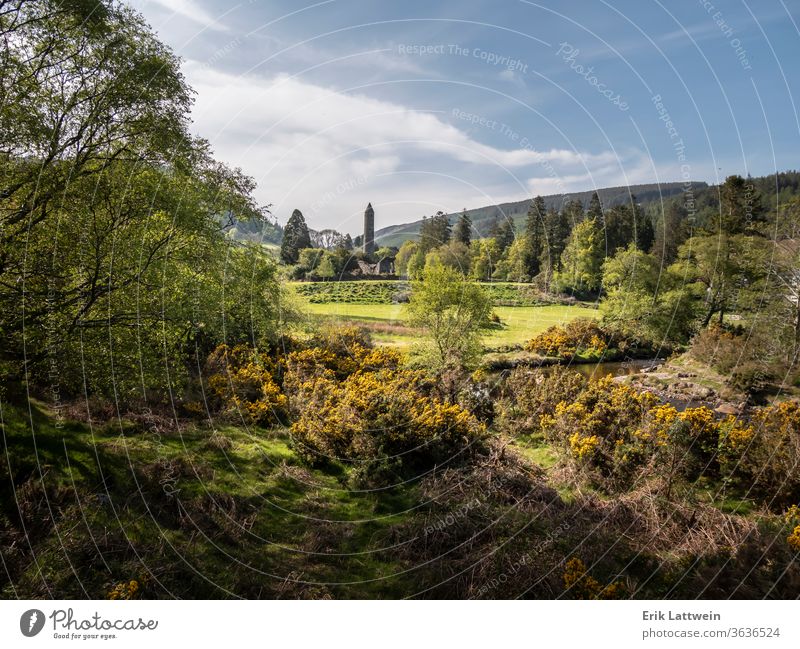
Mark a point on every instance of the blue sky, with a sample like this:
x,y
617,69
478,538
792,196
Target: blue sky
x,y
421,106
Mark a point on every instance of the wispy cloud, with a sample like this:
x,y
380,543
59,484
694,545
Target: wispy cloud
x,y
304,141
187,9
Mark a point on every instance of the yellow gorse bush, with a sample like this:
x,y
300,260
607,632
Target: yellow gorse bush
x,y
621,433
581,585
581,336
379,417
794,539
583,447
244,383
124,590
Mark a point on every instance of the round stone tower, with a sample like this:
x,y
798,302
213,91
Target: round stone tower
x,y
369,229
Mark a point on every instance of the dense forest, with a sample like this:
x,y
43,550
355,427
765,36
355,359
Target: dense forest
x,y
176,423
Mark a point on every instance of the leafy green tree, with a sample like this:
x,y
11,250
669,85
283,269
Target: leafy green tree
x,y
485,257
452,310
582,259
454,255
512,266
404,255
730,271
309,258
295,238
326,268
113,219
83,85
463,230
645,302
416,264
386,251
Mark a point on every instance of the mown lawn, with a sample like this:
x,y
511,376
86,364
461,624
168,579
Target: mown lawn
x,y
518,324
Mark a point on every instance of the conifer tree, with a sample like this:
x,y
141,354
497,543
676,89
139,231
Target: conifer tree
x,y
463,229
295,238
534,236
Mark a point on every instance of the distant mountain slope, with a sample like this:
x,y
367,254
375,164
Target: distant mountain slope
x,y
483,217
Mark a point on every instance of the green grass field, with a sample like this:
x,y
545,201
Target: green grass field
x,y
386,321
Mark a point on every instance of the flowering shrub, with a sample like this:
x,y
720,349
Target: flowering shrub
x,y
765,455
617,433
530,394
124,590
581,585
794,539
583,446
583,337
604,428
309,370
242,380
382,423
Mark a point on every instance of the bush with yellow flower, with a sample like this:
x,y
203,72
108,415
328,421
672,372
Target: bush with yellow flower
x,y
243,381
383,422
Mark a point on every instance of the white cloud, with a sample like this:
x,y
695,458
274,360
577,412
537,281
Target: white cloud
x,y
185,8
328,153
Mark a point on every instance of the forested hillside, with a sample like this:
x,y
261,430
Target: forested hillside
x,y
484,218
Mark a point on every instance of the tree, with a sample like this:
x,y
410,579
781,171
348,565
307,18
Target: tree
x,y
729,270
626,224
557,229
595,209
670,232
455,255
506,233
386,251
116,274
463,230
452,310
309,258
534,237
643,233
326,268
582,259
513,265
740,209
295,238
83,85
783,307
485,257
434,232
327,239
404,255
644,302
